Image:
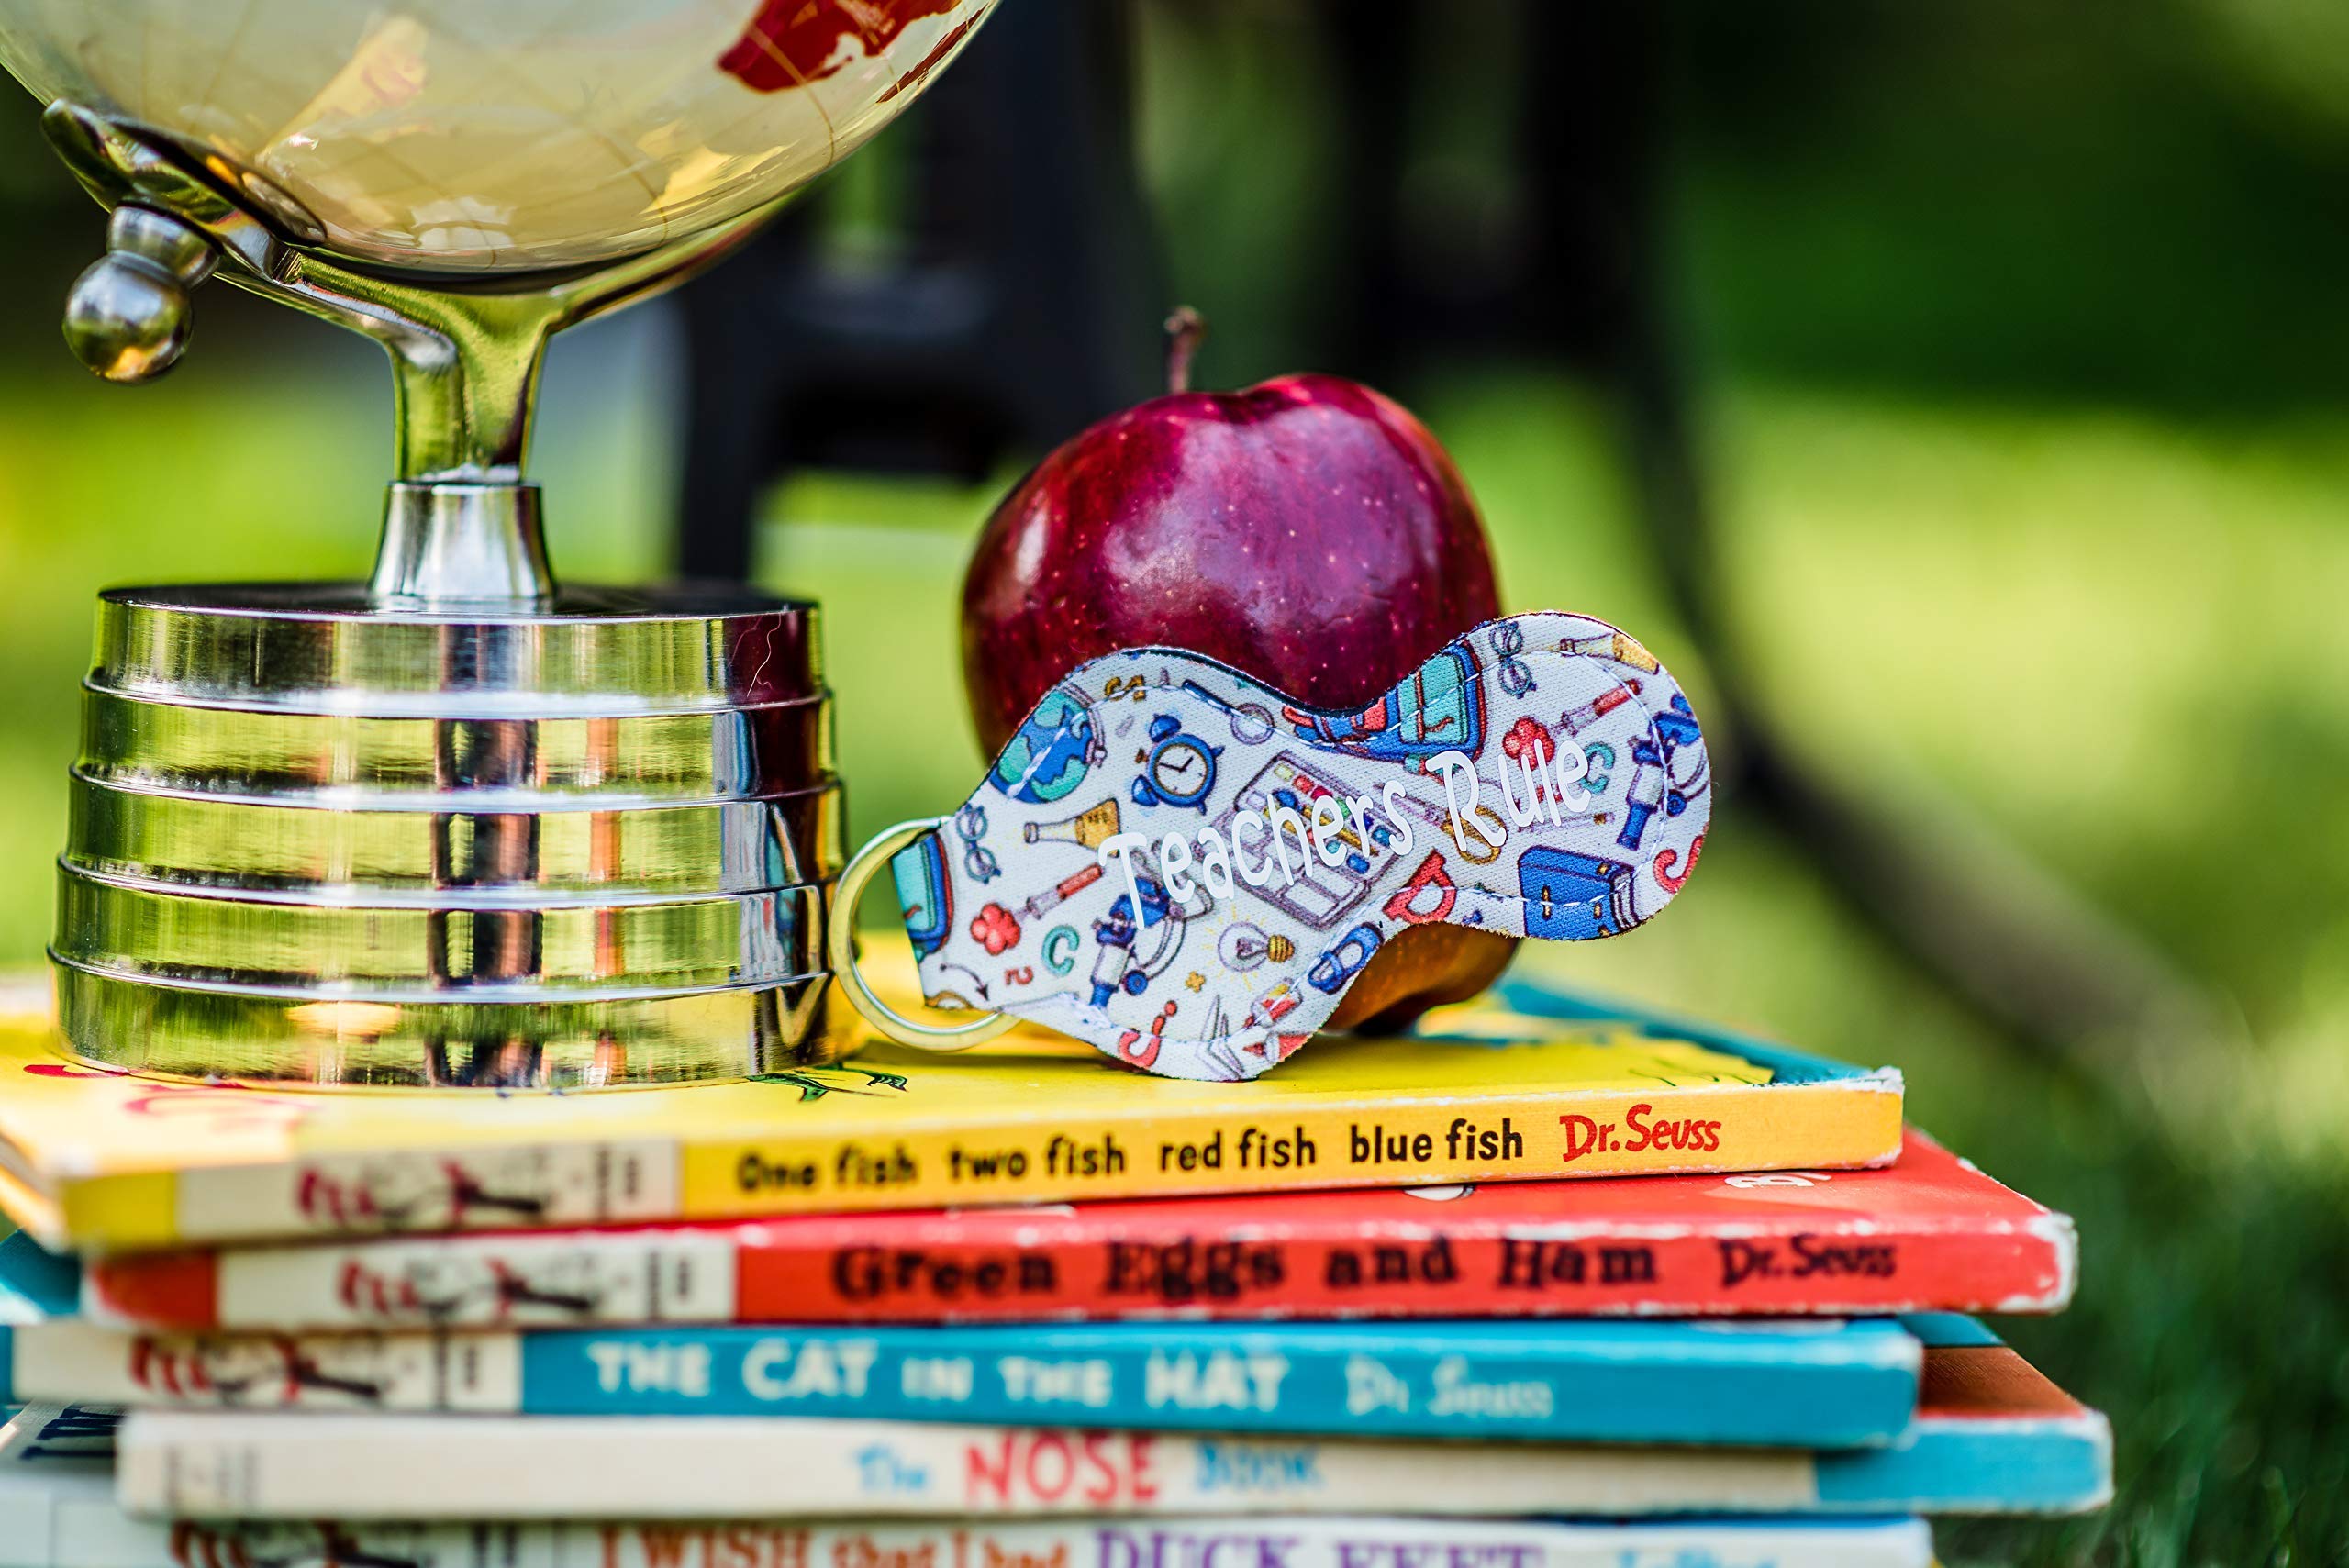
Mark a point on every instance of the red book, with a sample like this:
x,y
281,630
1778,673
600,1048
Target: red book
x,y
1928,1233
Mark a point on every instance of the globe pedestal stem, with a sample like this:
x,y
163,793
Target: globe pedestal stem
x,y
449,545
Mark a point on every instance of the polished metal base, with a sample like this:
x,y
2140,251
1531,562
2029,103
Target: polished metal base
x,y
208,1036
314,840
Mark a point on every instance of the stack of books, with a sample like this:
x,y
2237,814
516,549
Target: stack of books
x,y
1550,1284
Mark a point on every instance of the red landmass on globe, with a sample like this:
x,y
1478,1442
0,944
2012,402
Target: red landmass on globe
x,y
793,43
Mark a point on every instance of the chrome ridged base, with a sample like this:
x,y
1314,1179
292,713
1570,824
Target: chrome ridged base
x,y
208,1036
480,949
318,841
172,841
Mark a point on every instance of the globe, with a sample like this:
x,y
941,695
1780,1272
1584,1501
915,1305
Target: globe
x,y
514,135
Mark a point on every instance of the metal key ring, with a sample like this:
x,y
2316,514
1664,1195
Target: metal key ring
x,y
840,941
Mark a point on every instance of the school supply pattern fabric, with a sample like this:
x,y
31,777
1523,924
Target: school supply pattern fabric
x,y
1174,862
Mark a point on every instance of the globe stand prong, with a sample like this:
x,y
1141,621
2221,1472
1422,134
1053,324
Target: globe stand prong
x,y
127,317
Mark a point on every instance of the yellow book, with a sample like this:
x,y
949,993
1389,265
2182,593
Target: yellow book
x,y
99,1160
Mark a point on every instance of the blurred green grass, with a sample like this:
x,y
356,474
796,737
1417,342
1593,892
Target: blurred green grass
x,y
2025,412
2095,629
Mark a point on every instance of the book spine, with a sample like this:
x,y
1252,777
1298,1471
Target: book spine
x,y
1130,1268
903,1268
44,1529
57,1506
1394,1140
1960,1465
1137,1148
1228,1542
518,1280
238,1464
74,1362
1828,1391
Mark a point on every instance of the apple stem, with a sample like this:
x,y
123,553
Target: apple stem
x,y
1185,328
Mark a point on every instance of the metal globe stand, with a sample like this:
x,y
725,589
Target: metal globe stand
x,y
456,826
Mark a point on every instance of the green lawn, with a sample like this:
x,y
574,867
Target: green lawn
x,y
2027,423
2102,634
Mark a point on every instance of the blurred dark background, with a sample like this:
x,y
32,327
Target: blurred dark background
x,y
1957,398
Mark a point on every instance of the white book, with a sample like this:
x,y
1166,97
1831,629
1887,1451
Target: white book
x,y
280,1465
57,1510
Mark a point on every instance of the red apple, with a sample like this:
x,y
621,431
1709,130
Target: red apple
x,y
1307,531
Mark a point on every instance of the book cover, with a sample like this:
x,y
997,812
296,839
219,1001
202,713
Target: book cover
x,y
1927,1233
1811,1383
1993,1437
57,1510
97,1161
56,1504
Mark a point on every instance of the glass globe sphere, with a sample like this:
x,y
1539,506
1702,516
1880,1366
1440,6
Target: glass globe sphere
x,y
513,135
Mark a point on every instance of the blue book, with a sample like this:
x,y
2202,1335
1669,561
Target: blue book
x,y
1815,1384
1994,1437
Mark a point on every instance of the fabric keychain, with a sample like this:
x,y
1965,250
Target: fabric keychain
x,y
1176,863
